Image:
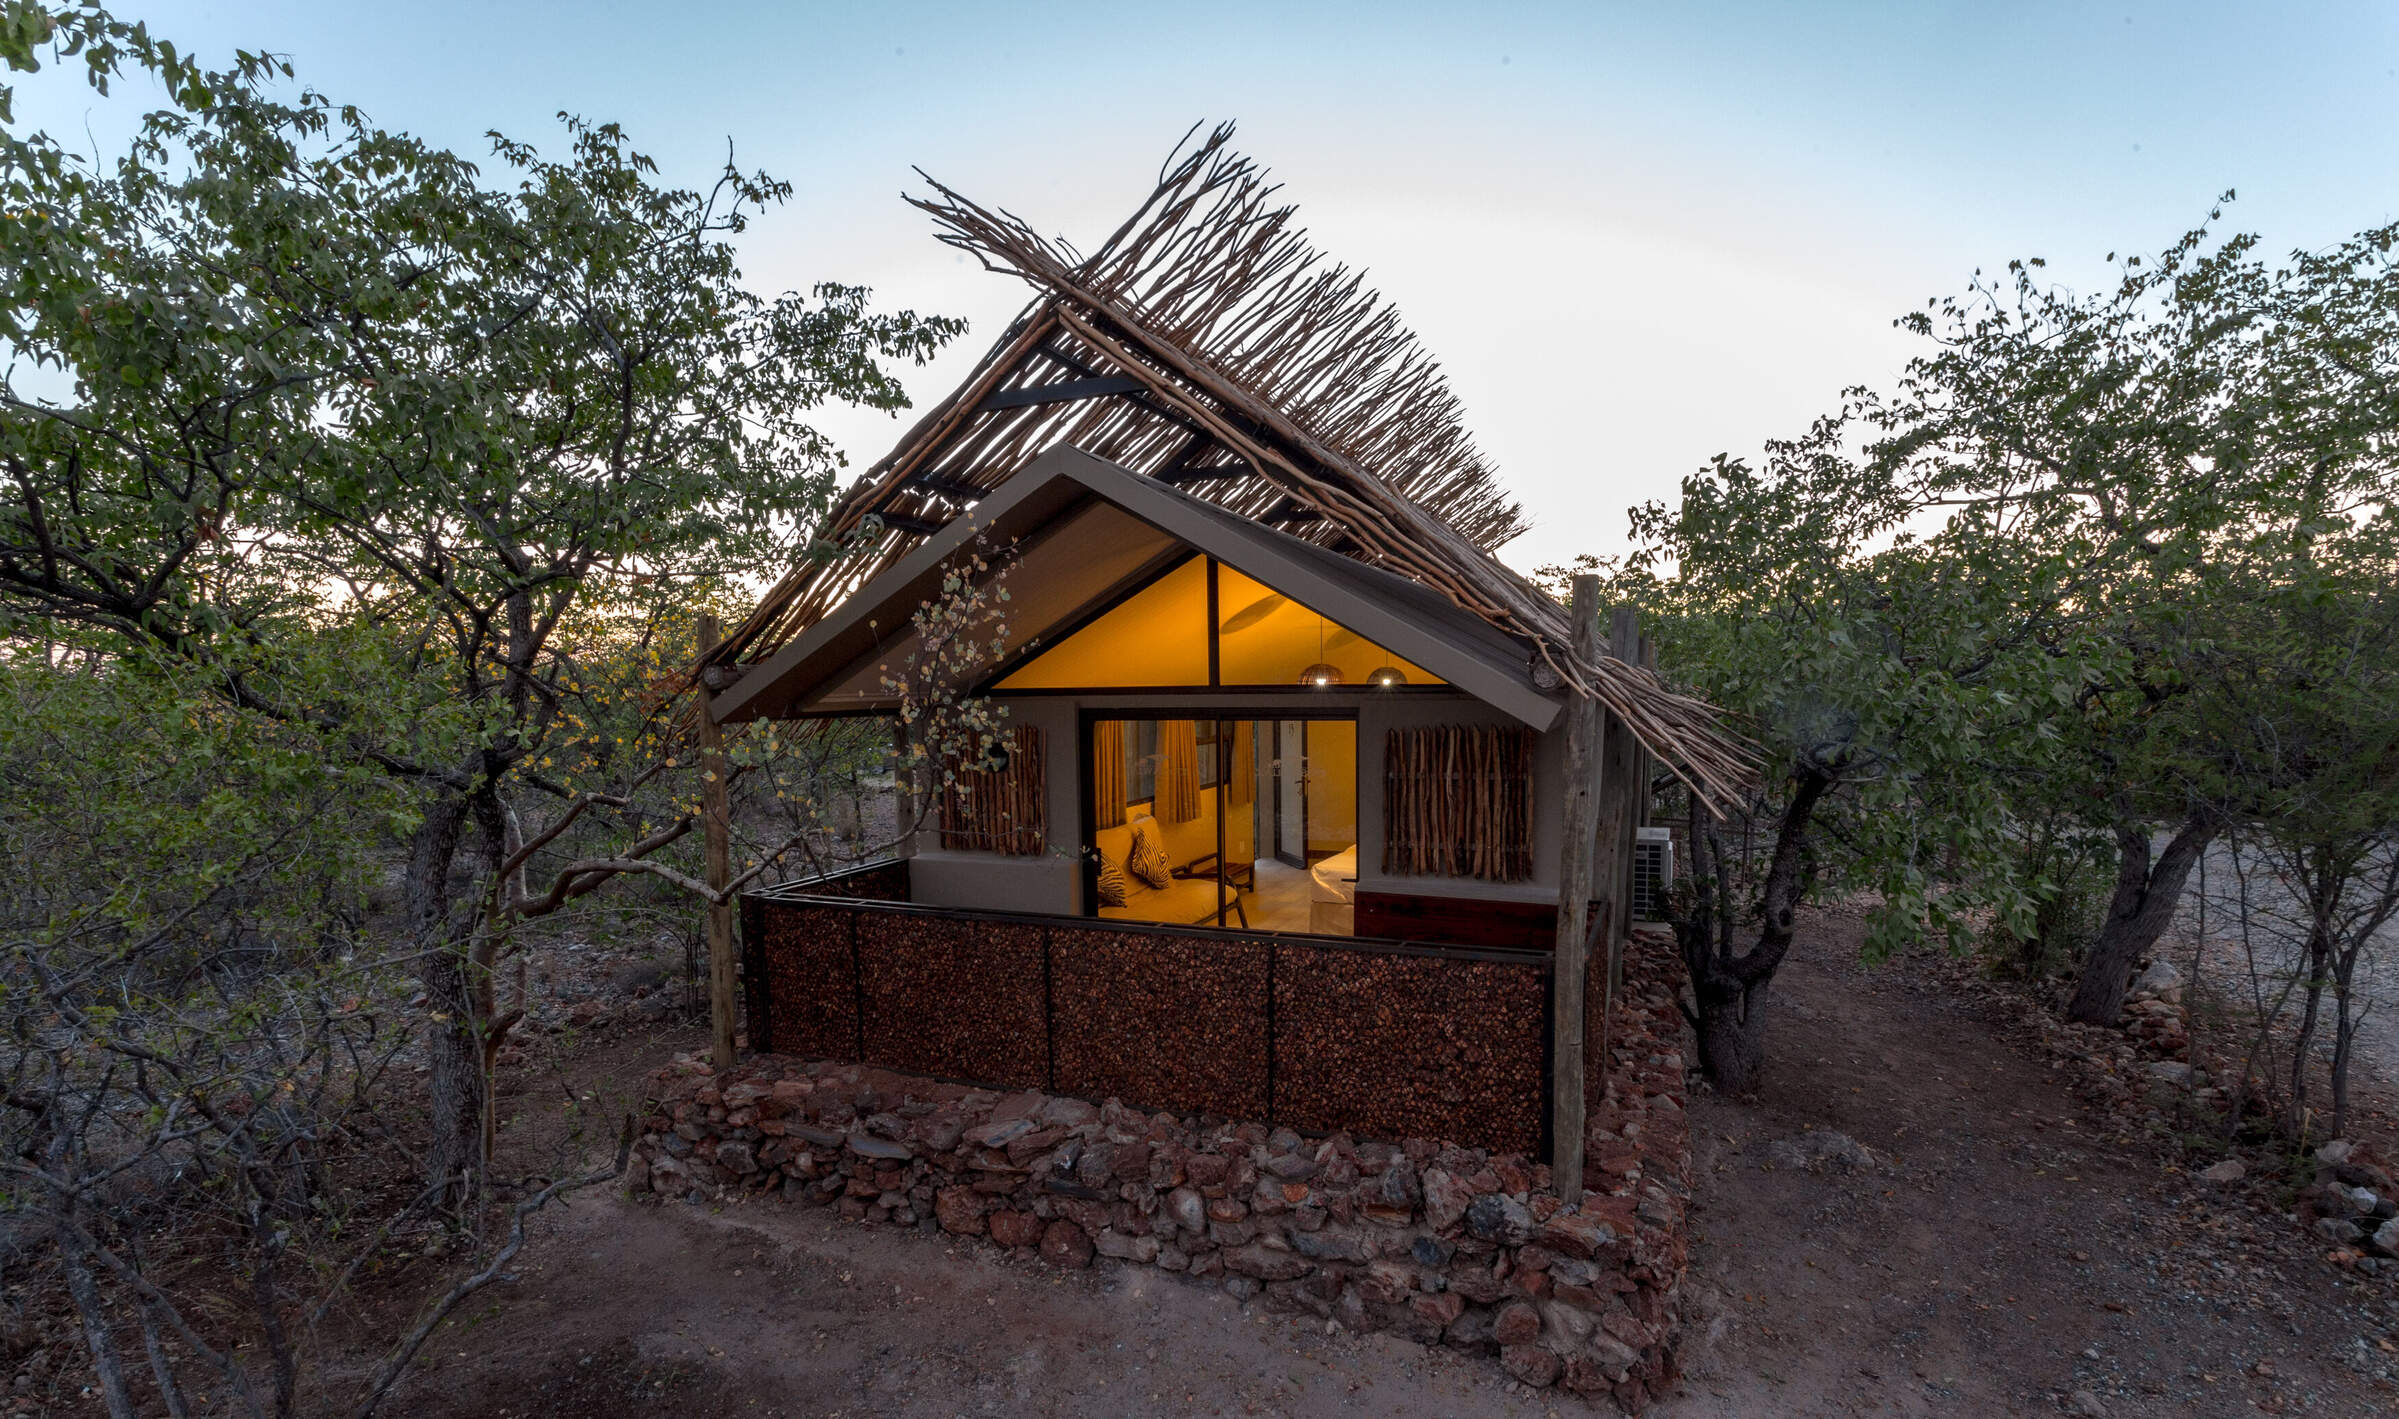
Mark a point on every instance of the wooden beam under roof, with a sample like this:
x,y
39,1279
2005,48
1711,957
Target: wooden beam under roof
x,y
902,522
1063,392
955,489
1176,477
1200,441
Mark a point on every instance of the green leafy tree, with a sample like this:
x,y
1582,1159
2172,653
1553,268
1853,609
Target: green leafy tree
x,y
299,374
2019,593
2161,443
1877,671
195,1107
2304,712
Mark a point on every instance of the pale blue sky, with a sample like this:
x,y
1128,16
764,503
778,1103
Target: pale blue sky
x,y
1636,235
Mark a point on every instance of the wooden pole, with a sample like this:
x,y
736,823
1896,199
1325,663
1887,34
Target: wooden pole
x,y
1645,773
716,820
1617,811
1569,980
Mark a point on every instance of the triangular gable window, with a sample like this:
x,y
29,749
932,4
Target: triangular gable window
x,y
1203,624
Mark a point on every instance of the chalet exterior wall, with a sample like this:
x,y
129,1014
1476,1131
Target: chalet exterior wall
x,y
1053,882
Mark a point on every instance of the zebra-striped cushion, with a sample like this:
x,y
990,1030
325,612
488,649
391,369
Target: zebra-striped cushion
x,y
1112,883
1148,857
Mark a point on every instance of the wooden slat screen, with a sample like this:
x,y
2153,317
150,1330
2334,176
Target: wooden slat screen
x,y
1458,802
1000,810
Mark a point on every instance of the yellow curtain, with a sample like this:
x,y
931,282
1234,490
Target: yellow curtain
x,y
1242,787
1178,771
1108,771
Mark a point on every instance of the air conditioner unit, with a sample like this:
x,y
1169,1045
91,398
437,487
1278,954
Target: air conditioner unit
x,y
1653,872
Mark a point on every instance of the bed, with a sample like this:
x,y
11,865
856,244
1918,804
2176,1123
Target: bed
x,y
1333,894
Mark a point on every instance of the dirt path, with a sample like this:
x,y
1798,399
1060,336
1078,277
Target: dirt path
x,y
2001,1262
2010,1256
763,1309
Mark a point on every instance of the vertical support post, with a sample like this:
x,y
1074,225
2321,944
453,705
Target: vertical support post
x,y
1618,810
716,821
1645,773
754,1003
1571,964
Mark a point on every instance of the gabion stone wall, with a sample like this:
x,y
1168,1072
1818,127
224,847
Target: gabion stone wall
x,y
959,1005
1410,1046
1451,1245
1378,1040
1163,1021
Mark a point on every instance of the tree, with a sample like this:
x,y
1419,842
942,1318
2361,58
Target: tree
x,y
1877,671
195,1110
2161,435
310,375
2032,585
2306,714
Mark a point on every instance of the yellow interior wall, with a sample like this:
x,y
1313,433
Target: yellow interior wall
x,y
1267,638
1332,785
1158,637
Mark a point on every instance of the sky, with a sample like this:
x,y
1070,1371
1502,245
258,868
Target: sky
x,y
1634,235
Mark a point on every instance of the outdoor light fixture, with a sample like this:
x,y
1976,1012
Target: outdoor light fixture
x,y
1387,676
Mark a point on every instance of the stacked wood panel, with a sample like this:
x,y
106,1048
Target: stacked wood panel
x,y
1458,802
954,999
1373,1039
1003,810
803,966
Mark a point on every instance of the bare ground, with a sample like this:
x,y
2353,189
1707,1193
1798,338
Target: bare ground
x,y
2013,1251
2006,1252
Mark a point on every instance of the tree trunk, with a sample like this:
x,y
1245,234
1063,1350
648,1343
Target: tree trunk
x,y
2137,915
2304,1044
2344,1037
1732,1037
453,1044
107,1367
2321,973
1728,990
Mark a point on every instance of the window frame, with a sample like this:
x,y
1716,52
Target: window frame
x,y
994,684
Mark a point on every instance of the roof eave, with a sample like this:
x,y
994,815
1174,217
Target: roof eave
x,y
1047,487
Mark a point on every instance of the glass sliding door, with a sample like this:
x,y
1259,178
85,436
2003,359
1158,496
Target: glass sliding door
x,y
1224,822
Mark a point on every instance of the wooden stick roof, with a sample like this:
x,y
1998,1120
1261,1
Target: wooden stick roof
x,y
1209,345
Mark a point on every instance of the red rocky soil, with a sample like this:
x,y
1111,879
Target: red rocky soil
x,y
1985,1245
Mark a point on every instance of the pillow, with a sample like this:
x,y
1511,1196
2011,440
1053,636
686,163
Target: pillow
x,y
1113,886
1148,857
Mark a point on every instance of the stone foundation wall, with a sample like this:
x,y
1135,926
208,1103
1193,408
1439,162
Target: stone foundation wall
x,y
1449,1245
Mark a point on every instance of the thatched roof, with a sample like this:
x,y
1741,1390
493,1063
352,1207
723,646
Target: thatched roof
x,y
1209,345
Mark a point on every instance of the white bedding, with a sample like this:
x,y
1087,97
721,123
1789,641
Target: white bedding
x,y
1336,878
